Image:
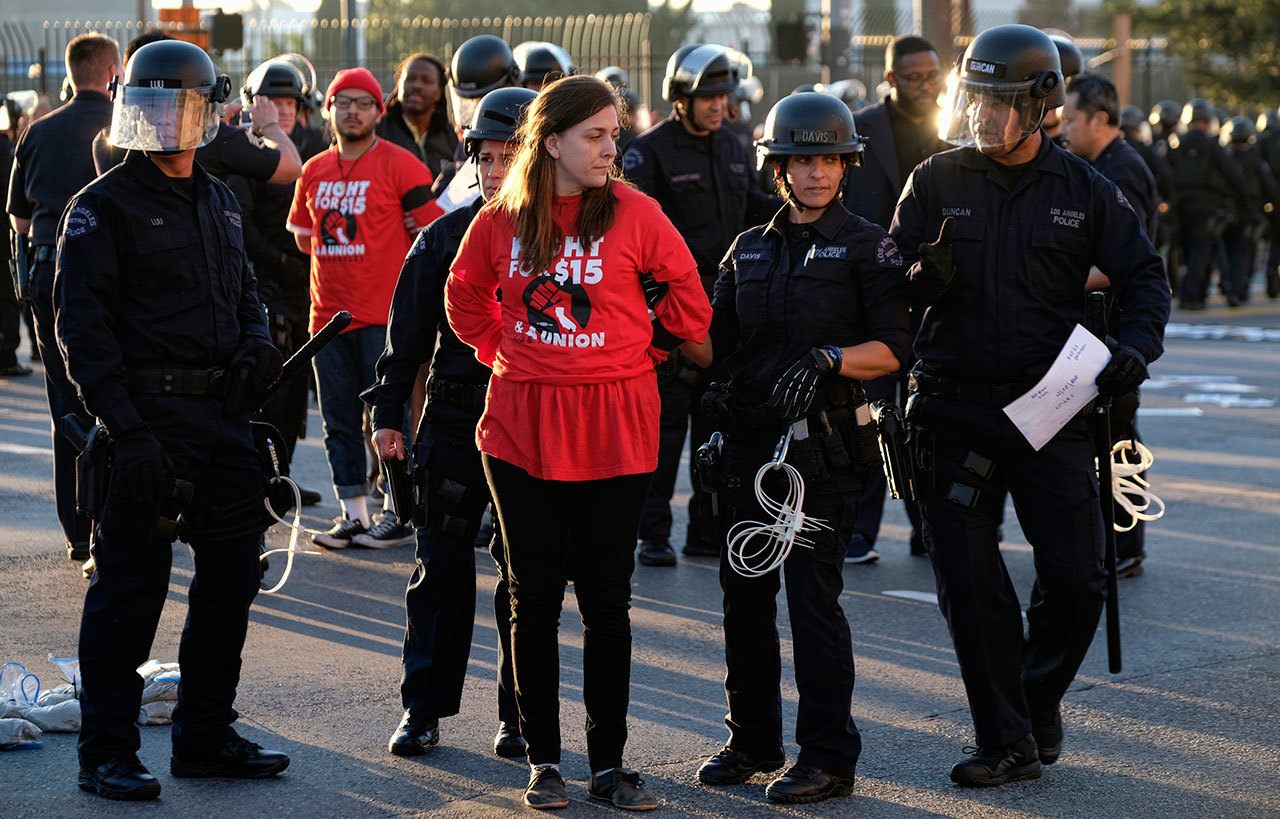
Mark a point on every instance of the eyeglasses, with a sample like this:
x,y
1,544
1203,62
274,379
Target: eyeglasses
x,y
918,79
363,103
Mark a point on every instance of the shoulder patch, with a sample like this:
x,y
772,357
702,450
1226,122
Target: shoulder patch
x,y
631,160
233,218
887,254
1120,198
419,245
81,221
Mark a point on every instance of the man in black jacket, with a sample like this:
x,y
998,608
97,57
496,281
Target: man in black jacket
x,y
901,133
417,118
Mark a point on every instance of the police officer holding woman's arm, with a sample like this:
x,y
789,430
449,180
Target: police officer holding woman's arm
x,y
805,309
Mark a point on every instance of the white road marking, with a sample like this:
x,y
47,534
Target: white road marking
x,y
1170,412
919,597
19,449
1227,400
1220,332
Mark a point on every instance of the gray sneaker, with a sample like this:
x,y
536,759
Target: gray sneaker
x,y
387,532
624,788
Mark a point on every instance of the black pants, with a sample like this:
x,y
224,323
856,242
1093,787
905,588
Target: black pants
x,y
1241,240
1055,494
1199,234
440,603
590,527
875,487
10,323
680,387
823,648
63,400
125,596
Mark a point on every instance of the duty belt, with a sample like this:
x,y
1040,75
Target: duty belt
x,y
467,396
43,253
176,381
928,382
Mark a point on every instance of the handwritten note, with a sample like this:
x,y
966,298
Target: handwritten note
x,y
1064,390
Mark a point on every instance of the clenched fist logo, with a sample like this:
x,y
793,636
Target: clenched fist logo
x,y
557,308
337,228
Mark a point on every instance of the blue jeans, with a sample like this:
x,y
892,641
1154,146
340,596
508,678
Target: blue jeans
x,y
344,369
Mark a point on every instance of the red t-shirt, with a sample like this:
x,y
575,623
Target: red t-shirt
x,y
353,211
574,395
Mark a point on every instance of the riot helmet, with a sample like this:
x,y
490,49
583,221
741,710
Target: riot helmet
x,y
275,79
1134,124
809,124
852,92
1268,122
1007,79
1238,131
700,71
497,117
615,76
1200,110
1070,57
1165,114
310,90
480,65
170,99
541,63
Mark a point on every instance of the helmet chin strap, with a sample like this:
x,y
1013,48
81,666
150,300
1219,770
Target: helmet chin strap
x,y
1027,135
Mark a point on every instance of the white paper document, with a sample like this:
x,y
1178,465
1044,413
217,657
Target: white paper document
x,y
1063,391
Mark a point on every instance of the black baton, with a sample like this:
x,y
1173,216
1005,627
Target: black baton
x,y
1097,320
306,352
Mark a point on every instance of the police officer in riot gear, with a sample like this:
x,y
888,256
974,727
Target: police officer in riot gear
x,y
1254,202
440,601
1000,236
699,173
1269,143
282,271
158,314
541,63
631,104
1164,119
53,161
806,307
1206,184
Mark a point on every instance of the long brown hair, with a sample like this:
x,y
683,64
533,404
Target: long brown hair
x,y
527,196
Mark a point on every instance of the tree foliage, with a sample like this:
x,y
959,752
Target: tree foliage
x,y
1230,49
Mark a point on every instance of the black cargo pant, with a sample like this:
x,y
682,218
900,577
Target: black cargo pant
x,y
589,528
122,606
440,603
1055,492
63,400
823,648
1199,235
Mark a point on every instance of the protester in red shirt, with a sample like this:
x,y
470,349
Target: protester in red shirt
x,y
552,287
355,210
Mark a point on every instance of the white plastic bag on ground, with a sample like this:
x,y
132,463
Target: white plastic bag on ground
x,y
18,735
70,668
53,696
61,718
17,685
159,712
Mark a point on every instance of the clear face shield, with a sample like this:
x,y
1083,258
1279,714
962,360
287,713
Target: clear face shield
x,y
988,116
462,109
163,119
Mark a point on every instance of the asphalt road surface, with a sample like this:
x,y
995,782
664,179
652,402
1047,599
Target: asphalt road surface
x,y
1188,729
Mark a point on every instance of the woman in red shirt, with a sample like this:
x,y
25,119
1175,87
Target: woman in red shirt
x,y
553,287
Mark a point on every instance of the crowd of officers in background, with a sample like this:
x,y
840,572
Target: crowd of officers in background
x,y
1212,206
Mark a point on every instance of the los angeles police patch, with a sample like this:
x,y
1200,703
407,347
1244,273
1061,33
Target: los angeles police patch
x,y
80,222
887,254
1124,203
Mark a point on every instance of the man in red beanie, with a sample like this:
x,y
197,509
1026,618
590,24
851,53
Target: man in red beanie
x,y
355,211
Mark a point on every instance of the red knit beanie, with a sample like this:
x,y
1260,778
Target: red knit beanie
x,y
359,79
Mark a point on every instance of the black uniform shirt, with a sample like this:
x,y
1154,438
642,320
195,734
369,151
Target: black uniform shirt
x,y
1022,257
151,272
54,159
703,184
771,305
417,316
1124,166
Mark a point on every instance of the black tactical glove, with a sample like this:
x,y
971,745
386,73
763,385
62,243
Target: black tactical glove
x,y
1124,372
935,272
254,367
140,470
654,290
795,389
